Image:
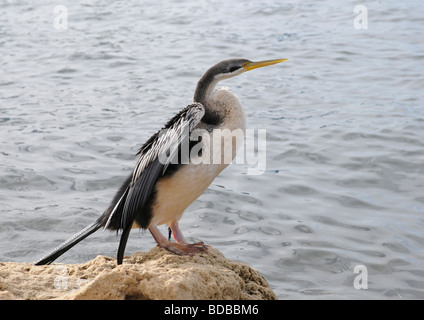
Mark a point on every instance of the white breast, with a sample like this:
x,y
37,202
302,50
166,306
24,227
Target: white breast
x,y
175,193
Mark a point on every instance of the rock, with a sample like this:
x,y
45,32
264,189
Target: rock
x,y
154,275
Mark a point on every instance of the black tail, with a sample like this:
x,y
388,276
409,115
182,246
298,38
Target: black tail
x,y
110,219
68,244
122,244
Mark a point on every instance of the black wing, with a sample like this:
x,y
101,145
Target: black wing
x,y
154,157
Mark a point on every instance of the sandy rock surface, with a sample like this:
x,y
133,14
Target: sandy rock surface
x,y
153,275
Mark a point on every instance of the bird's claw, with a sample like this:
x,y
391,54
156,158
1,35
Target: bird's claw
x,y
184,249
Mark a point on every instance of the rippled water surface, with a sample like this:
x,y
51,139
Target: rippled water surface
x,y
344,178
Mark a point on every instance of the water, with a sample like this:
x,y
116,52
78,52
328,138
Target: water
x,y
344,120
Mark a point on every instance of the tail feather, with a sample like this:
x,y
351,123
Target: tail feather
x,y
122,244
68,244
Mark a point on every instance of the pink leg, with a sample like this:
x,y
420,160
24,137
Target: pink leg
x,y
181,248
176,231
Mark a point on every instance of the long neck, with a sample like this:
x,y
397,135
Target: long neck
x,y
205,88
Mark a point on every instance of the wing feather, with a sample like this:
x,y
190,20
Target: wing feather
x,y
154,157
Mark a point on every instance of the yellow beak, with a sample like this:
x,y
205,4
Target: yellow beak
x,y
247,66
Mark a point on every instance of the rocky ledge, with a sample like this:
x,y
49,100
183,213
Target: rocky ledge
x,y
153,275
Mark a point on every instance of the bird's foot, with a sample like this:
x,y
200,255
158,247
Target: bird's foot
x,y
184,249
181,248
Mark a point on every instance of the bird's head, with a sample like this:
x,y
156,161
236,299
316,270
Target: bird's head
x,y
233,67
224,70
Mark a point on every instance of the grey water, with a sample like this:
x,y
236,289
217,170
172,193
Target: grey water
x,y
339,211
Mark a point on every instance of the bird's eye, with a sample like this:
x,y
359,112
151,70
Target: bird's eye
x,y
232,69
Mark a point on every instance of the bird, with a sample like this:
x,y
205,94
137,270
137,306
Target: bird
x,y
165,180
